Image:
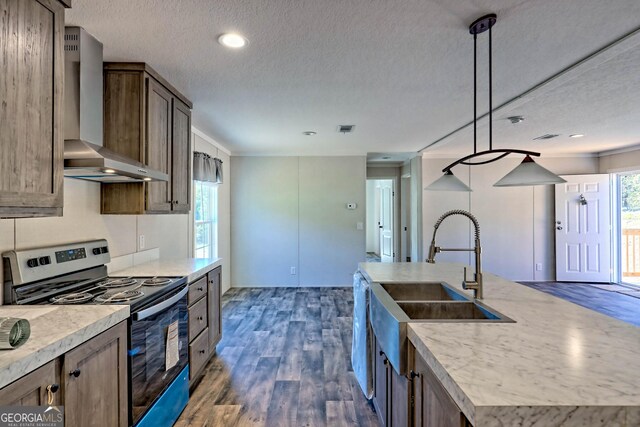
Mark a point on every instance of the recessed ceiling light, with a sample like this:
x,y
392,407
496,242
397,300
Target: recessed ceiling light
x,y
576,135
232,40
146,179
109,171
515,119
386,158
309,133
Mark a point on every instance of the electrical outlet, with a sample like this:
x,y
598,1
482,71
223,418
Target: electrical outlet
x,y
539,266
141,242
293,271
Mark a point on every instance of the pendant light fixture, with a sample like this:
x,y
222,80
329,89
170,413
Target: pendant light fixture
x,y
525,174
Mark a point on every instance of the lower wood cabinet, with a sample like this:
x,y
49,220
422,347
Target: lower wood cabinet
x,y
32,389
391,392
90,381
95,381
205,321
432,405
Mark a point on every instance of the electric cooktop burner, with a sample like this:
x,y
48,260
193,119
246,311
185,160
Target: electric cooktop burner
x,y
118,283
156,281
74,298
116,297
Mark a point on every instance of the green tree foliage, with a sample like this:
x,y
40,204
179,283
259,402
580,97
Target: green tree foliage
x,y
630,192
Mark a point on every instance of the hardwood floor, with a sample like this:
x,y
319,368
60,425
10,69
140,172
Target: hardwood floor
x,y
616,305
284,360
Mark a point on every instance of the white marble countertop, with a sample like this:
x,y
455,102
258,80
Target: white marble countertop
x,y
193,268
560,364
55,329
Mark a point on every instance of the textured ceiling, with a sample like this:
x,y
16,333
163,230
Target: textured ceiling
x,y
400,70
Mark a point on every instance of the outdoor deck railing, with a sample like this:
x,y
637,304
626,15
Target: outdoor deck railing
x,y
630,252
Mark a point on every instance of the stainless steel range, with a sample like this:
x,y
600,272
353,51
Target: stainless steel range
x,y
76,274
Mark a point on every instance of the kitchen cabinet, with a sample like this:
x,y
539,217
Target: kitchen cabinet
x,y
90,381
391,392
31,96
95,381
33,388
215,308
148,120
433,407
205,321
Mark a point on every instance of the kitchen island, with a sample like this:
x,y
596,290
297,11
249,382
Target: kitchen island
x,y
559,364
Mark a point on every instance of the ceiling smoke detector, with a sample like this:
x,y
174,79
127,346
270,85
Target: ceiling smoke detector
x,y
515,119
309,133
546,136
346,128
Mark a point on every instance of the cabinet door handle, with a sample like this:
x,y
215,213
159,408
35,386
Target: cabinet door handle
x,y
200,318
53,388
201,351
75,373
201,289
412,374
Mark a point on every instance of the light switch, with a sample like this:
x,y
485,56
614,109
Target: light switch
x,y
359,226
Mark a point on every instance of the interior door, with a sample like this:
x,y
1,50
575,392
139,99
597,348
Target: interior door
x,y
386,221
583,235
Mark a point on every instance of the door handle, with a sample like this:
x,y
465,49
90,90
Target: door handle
x,y
559,228
380,226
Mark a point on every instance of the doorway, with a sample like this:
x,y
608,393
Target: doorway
x,y
380,241
629,228
583,236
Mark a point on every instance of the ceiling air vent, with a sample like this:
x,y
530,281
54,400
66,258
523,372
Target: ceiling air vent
x,y
546,136
346,128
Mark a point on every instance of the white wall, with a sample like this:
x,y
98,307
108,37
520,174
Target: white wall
x,y
82,220
516,224
205,144
623,161
291,212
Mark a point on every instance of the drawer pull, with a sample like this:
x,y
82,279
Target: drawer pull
x,y
201,351
200,288
75,373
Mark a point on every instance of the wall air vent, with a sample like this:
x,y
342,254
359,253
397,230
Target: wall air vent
x,y
346,128
546,136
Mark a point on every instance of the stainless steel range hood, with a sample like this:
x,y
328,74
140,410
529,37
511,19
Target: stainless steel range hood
x,y
84,155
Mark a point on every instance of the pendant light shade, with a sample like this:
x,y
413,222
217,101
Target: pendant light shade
x,y
529,173
448,182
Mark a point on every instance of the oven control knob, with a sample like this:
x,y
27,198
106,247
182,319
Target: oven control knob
x,y
33,262
96,251
45,260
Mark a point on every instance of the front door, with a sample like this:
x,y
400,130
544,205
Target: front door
x,y
583,233
386,221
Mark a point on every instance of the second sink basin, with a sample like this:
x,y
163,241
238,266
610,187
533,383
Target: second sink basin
x,y
425,291
433,310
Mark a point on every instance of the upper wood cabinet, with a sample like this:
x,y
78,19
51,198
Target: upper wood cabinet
x,y
148,120
31,107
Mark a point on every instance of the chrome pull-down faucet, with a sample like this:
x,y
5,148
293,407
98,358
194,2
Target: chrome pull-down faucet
x,y
476,284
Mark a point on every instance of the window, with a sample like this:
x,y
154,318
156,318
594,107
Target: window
x,y
206,219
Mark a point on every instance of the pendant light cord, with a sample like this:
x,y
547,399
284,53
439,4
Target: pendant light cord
x,y
475,92
490,95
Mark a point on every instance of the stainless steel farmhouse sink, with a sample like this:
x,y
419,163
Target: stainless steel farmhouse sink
x,y
393,305
425,291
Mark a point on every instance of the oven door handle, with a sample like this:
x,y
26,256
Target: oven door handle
x,y
147,312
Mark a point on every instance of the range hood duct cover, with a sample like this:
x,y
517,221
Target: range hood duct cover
x,y
84,154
